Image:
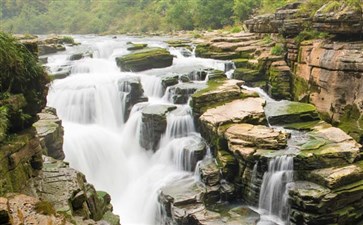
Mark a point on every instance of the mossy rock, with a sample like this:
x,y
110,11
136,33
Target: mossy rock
x,y
244,63
145,59
134,46
111,218
352,122
285,112
248,75
21,75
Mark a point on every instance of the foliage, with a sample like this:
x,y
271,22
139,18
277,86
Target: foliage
x,y
278,49
45,208
21,74
309,34
67,40
87,16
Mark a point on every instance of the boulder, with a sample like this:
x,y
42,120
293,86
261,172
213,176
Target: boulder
x,y
248,110
67,190
145,59
326,146
255,136
217,91
285,112
153,125
50,131
134,46
131,89
181,93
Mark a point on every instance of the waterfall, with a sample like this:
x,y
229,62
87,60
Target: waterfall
x,y
273,200
97,141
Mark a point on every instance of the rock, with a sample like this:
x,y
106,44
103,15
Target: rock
x,y
20,160
66,189
335,177
326,147
181,93
145,59
229,168
193,153
134,46
185,78
24,209
312,203
279,79
255,136
80,55
209,172
153,125
248,110
218,91
285,112
131,89
50,131
169,80
338,18
216,74
248,75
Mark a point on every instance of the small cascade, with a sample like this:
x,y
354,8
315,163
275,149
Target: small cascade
x,y
229,68
179,124
273,201
152,86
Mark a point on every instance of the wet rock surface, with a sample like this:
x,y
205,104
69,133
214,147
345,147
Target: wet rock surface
x,y
153,125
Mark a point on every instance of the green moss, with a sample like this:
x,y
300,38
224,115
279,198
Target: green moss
x,y
211,86
136,46
45,208
144,59
248,75
21,74
303,125
352,122
313,143
67,40
111,218
300,89
4,122
278,49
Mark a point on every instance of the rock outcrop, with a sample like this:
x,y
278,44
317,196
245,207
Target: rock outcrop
x,y
50,131
153,125
145,59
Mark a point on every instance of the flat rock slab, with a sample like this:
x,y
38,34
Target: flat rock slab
x,y
285,112
238,111
335,177
327,147
255,136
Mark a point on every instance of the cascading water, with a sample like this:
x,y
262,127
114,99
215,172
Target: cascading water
x,y
272,200
97,141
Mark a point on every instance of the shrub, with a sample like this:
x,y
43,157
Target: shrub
x,y
278,49
45,208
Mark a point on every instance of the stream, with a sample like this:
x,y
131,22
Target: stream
x,y
99,143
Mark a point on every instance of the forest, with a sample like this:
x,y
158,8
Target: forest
x,y
121,16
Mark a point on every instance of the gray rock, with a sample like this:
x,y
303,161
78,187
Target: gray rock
x,y
153,125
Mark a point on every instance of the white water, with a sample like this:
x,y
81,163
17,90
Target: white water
x,y
98,142
273,196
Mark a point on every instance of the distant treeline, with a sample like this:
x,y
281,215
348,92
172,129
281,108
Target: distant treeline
x,y
98,16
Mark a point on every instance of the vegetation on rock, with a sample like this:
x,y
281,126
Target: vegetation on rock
x,y
22,84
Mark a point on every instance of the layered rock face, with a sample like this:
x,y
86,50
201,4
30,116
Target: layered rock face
x,y
65,195
326,73
329,75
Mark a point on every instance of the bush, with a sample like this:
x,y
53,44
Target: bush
x,y
310,34
278,49
45,208
68,40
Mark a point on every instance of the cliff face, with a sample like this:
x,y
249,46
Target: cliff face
x,y
325,72
34,187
